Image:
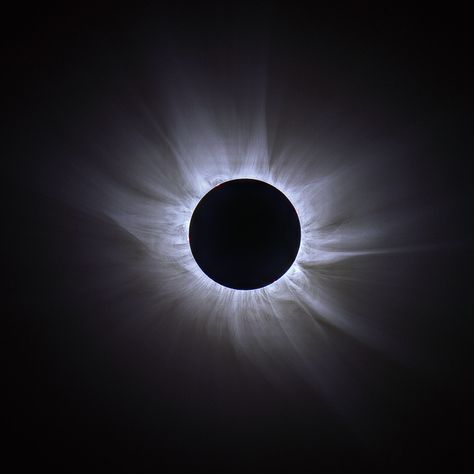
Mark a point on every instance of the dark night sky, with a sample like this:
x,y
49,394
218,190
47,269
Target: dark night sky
x,y
74,400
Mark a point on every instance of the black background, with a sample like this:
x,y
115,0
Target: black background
x,y
70,403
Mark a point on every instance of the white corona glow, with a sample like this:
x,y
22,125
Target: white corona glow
x,y
344,201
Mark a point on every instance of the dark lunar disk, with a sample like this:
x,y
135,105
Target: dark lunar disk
x,y
244,234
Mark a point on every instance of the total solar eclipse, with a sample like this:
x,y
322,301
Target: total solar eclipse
x,y
244,234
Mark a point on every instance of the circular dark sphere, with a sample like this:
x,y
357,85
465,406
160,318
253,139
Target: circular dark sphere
x,y
244,234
